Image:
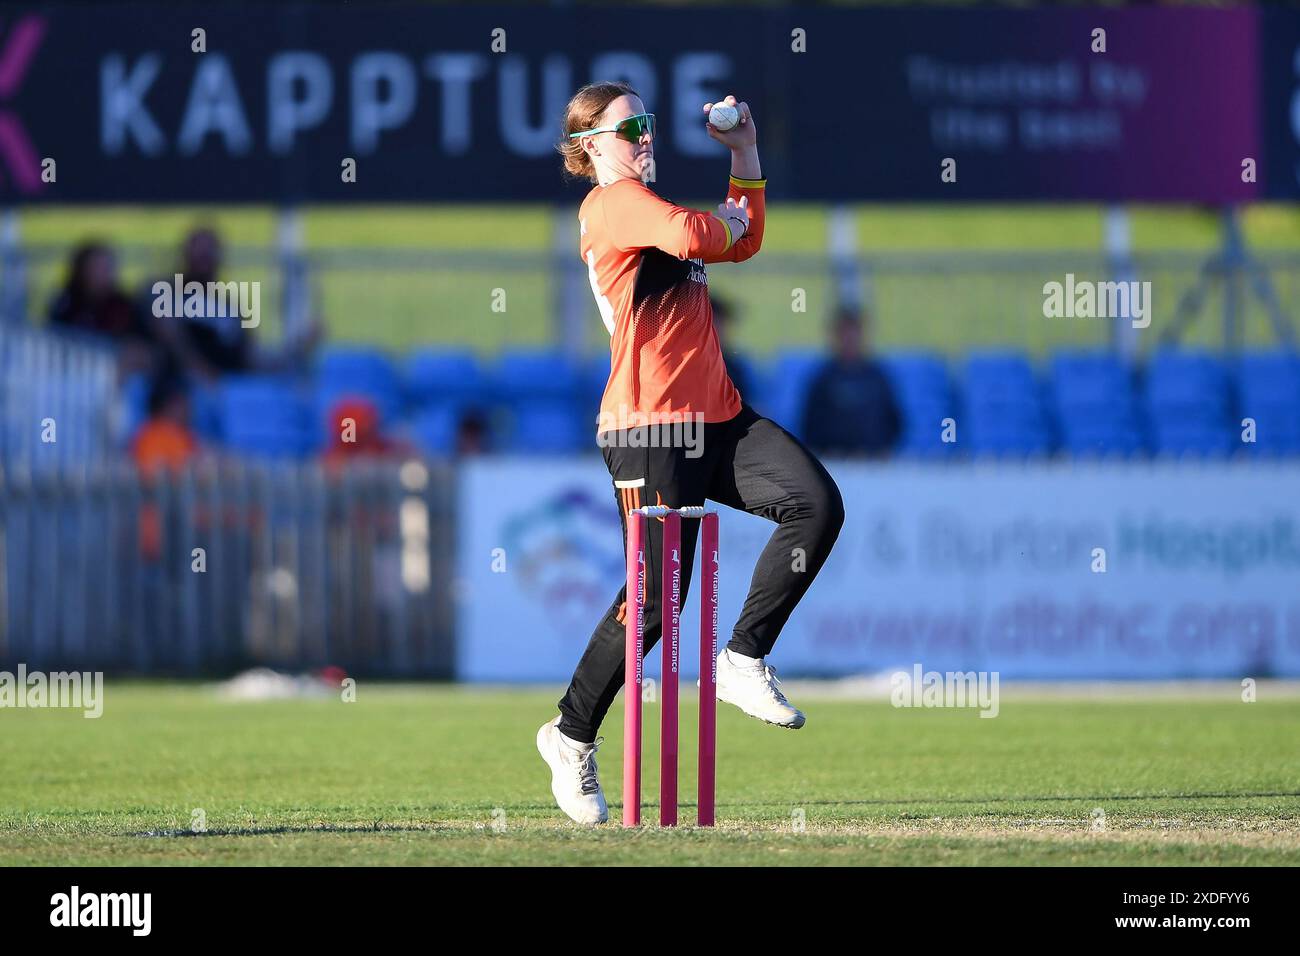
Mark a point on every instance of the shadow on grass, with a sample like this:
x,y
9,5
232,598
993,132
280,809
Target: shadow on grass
x,y
273,831
928,801
961,801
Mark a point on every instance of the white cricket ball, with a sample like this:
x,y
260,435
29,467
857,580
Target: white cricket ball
x,y
723,117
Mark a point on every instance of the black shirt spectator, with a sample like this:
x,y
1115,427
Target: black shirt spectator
x,y
205,345
217,342
850,409
472,434
91,300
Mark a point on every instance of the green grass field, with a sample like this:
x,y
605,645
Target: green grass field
x,y
449,775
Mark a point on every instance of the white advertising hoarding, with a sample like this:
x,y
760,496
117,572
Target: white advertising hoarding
x,y
955,567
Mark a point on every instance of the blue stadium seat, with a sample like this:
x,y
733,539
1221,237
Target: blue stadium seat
x,y
594,376
1091,396
759,383
1268,390
547,399
918,376
356,372
1269,377
748,370
356,366
549,426
1187,403
264,416
922,435
999,377
1021,436
1004,408
788,379
1091,438
1090,378
135,403
1194,438
205,411
925,398
433,429
1191,380
439,374
518,373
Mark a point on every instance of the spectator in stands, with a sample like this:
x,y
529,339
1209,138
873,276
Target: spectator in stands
x,y
724,318
162,446
211,343
92,302
472,434
165,441
851,409
356,433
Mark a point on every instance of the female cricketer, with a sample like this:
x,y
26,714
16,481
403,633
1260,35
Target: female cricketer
x,y
645,258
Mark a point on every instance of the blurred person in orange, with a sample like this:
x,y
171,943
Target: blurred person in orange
x,y
165,441
161,448
357,433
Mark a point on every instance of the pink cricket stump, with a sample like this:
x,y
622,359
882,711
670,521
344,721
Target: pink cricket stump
x,y
634,638
671,602
709,572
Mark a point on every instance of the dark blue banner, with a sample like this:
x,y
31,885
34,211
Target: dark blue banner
x,y
113,103
1280,52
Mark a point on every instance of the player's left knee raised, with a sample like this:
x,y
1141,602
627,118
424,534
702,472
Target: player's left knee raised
x,y
830,509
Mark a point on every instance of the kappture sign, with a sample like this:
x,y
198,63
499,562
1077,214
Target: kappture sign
x,y
440,103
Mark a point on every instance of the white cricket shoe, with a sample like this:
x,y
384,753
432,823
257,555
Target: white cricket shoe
x,y
750,684
573,774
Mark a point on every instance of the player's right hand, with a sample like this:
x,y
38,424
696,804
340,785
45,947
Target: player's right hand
x,y
739,136
738,212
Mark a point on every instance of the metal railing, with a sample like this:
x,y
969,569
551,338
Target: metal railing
x,y
58,400
227,565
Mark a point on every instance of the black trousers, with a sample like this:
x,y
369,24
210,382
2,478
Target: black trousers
x,y
749,463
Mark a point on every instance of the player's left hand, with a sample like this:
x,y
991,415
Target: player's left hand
x,y
739,136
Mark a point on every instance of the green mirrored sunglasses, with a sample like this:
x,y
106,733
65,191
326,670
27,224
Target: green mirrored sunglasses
x,y
630,129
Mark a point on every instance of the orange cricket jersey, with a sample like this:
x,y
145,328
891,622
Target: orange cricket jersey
x,y
645,258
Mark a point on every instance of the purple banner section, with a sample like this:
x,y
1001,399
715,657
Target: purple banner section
x,y
116,102
1028,110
